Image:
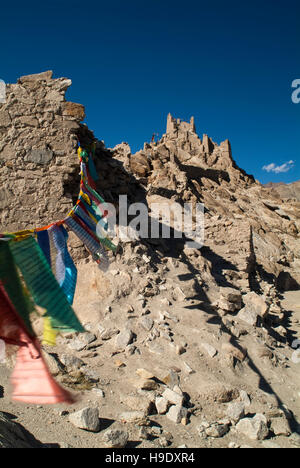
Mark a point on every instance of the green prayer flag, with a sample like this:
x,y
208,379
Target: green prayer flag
x,y
12,284
43,286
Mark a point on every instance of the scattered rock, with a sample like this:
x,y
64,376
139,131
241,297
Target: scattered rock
x,y
171,379
53,363
144,374
248,316
226,306
217,431
280,427
119,364
179,295
99,392
129,309
173,397
124,339
188,368
232,296
245,398
134,417
109,334
87,338
77,345
147,323
255,428
144,433
71,361
147,385
156,431
156,348
162,405
86,419
211,351
91,374
163,442
180,350
115,438
177,414
138,403
168,316
131,349
256,303
235,411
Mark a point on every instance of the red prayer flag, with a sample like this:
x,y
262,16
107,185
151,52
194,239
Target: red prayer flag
x,y
32,381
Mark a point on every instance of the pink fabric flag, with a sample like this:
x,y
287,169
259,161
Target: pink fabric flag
x,y
32,381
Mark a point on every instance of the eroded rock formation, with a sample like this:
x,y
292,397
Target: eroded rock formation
x,y
251,234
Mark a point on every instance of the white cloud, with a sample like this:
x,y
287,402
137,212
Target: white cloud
x,y
286,167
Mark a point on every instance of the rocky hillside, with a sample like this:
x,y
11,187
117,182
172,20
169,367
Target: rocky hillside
x,y
251,235
185,346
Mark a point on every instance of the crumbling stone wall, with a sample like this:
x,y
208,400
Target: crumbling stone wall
x,y
176,126
39,167
39,172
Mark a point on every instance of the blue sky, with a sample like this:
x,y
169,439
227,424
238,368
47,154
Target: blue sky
x,y
229,63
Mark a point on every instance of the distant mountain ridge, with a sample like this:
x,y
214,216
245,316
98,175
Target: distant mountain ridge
x,y
286,190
